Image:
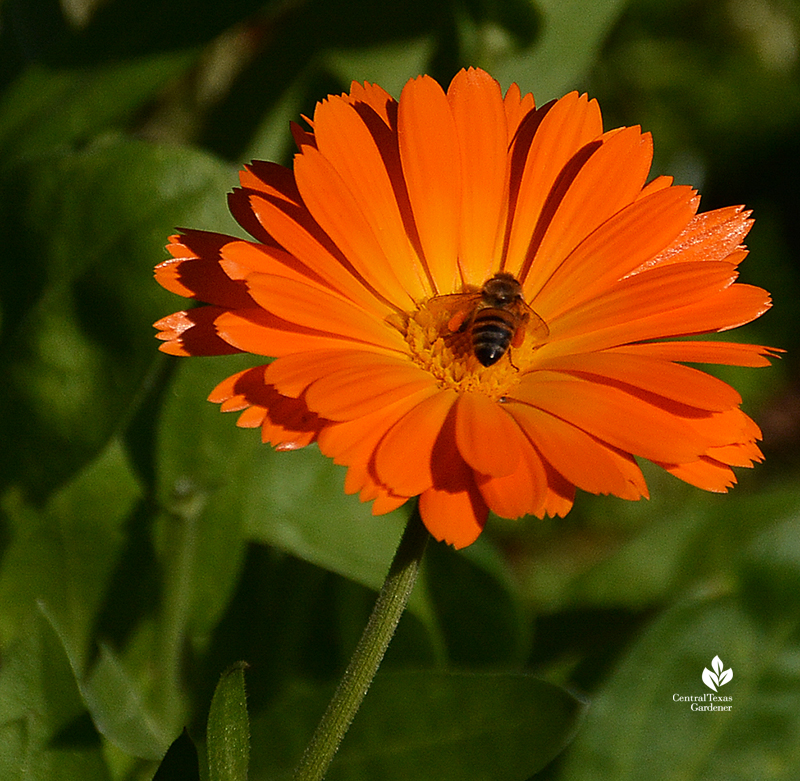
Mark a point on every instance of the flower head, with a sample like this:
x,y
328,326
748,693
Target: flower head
x,y
366,279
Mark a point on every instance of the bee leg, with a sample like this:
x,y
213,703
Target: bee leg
x,y
460,321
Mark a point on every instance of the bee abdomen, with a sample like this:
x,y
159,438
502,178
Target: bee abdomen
x,y
491,335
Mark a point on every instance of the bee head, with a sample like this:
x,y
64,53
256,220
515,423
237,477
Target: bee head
x,y
502,289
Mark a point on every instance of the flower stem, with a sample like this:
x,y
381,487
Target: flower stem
x,y
368,654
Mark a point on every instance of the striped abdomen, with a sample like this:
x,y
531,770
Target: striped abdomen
x,y
492,331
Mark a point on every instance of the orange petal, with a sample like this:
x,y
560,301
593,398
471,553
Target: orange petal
x,y
270,179
354,391
712,471
675,300
537,161
285,423
303,138
713,235
729,428
295,230
239,259
195,272
487,437
517,107
432,169
705,473
618,247
261,333
583,460
359,147
252,417
377,98
383,500
611,415
353,442
648,293
386,502
729,308
404,457
454,518
520,492
680,383
743,454
726,353
659,183
307,306
193,332
560,496
260,180
482,137
618,169
227,390
293,374
337,211
247,261
453,508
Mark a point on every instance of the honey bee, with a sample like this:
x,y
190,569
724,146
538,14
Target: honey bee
x,y
495,316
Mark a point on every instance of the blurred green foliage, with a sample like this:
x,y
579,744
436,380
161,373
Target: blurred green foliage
x,y
148,544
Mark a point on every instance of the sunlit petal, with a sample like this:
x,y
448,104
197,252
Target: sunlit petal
x,y
482,137
487,437
404,457
432,167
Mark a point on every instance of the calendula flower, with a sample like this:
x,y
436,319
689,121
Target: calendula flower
x,y
366,281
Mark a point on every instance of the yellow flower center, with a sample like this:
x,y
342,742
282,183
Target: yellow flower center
x,y
447,351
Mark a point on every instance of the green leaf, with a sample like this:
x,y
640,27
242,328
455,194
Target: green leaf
x,y
428,725
770,571
457,726
203,463
390,64
135,710
83,232
572,33
477,609
636,555
229,728
297,503
44,732
180,763
119,707
637,719
62,557
48,109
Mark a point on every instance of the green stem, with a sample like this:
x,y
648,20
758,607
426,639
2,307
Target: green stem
x,y
368,654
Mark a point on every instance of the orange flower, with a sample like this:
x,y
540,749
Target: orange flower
x,y
364,281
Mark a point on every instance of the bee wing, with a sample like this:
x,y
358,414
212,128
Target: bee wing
x,y
536,326
460,305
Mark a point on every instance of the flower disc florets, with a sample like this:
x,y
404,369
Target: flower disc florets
x,y
448,353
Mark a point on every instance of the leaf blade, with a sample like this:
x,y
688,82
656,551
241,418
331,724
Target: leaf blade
x,y
229,728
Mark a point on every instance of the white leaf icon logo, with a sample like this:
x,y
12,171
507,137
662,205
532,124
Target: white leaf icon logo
x,y
710,680
719,677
